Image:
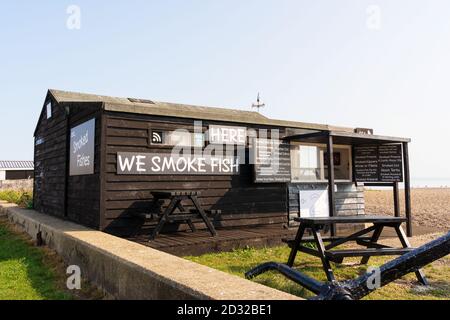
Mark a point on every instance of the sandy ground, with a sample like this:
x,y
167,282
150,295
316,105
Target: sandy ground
x,y
415,241
430,207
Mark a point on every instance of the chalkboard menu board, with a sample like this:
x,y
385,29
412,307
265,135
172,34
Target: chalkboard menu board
x,y
391,163
378,163
366,164
272,161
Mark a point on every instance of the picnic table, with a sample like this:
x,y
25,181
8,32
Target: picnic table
x,y
169,215
372,247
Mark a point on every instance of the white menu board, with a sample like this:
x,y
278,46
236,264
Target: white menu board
x,y
314,204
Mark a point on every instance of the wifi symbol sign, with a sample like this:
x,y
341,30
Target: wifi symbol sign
x,y
157,137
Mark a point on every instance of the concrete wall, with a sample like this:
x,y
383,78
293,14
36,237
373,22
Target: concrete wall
x,y
16,185
127,270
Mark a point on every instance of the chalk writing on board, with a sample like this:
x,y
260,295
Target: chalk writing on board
x,y
366,163
272,161
378,163
391,163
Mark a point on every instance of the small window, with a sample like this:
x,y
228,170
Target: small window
x,y
49,110
309,163
306,164
342,164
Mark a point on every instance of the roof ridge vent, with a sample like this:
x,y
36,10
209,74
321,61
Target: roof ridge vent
x,y
141,101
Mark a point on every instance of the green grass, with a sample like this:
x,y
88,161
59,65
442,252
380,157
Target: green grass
x,y
25,273
22,198
240,261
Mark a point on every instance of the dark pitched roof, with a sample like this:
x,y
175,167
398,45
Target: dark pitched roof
x,y
348,138
140,106
16,165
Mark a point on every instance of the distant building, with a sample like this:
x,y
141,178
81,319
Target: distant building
x,y
16,170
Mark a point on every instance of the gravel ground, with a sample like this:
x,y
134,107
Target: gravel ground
x,y
415,241
430,207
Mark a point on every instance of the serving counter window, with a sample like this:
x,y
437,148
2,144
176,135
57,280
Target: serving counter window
x,y
309,163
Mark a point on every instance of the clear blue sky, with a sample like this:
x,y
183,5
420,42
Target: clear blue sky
x,y
313,61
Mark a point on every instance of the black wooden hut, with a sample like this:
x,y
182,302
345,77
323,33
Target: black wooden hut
x,y
79,138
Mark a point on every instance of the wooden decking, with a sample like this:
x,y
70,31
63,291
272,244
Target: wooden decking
x,y
187,243
201,242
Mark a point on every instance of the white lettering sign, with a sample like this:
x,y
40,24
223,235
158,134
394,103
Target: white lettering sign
x,y
82,149
227,135
152,164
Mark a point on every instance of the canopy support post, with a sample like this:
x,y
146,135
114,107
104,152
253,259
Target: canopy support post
x,y
409,228
397,200
331,191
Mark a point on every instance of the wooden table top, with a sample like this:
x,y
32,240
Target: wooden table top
x,y
351,219
174,193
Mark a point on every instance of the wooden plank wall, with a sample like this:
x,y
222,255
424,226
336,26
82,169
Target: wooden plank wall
x,y
50,163
81,203
242,202
349,199
83,198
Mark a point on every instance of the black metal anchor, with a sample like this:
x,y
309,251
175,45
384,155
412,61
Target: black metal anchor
x,y
358,288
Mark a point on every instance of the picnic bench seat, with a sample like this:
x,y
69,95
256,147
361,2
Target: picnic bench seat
x,y
337,254
153,216
328,252
212,213
184,216
165,194
291,241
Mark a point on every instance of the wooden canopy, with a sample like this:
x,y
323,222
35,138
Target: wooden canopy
x,y
355,139
348,138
